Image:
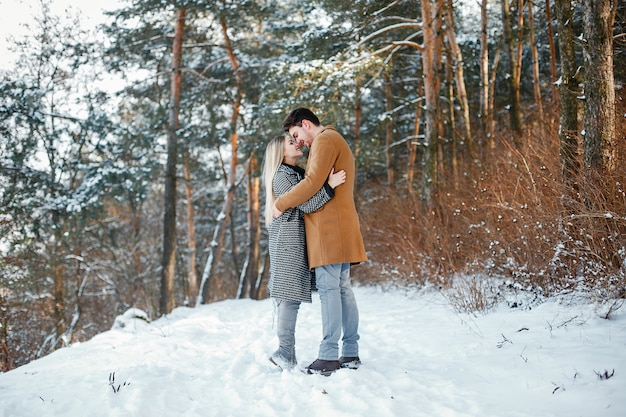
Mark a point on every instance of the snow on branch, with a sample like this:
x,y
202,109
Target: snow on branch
x,y
389,28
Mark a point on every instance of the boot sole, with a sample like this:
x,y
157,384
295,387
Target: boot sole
x,y
324,373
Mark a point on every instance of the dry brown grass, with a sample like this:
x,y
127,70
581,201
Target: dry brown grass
x,y
468,294
511,218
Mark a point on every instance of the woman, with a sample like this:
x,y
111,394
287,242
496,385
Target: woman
x,y
290,276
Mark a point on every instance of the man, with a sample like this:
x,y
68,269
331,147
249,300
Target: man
x,y
333,237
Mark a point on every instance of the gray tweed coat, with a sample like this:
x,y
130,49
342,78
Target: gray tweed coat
x,y
290,275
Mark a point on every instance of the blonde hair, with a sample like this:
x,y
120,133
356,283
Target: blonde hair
x,y
274,154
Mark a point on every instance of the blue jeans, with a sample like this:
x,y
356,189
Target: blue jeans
x,y
287,314
339,311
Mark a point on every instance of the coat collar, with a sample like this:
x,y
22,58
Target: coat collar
x,y
327,127
294,168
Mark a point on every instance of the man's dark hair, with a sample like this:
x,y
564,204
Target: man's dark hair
x,y
296,117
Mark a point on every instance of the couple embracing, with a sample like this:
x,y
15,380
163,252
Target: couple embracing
x,y
319,200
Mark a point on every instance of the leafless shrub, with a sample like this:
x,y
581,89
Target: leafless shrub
x,y
512,217
471,294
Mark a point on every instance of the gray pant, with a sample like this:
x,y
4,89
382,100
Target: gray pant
x,y
287,314
339,311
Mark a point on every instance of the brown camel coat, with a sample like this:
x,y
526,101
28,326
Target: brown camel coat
x,y
333,234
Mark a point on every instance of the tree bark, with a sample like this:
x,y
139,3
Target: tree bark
x,y
520,41
6,360
192,275
388,131
357,129
255,227
491,123
431,61
535,62
80,290
459,76
452,126
555,91
514,88
568,92
250,271
217,244
484,69
59,303
357,116
600,140
168,263
412,144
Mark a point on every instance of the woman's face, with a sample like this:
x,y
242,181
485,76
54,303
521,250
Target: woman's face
x,y
302,134
292,150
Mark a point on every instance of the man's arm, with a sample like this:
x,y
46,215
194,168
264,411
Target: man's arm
x,y
321,160
319,199
282,183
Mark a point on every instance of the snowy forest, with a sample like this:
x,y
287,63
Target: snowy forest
x,y
489,135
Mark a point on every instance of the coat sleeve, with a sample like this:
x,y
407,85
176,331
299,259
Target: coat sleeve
x,y
320,198
321,159
283,182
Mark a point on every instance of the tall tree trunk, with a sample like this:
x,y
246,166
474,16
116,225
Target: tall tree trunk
x,y
263,271
600,139
192,275
357,116
217,244
535,59
168,263
388,131
459,76
80,290
250,271
520,41
59,303
6,357
568,92
484,69
491,125
412,144
58,267
431,60
452,125
555,91
514,88
255,226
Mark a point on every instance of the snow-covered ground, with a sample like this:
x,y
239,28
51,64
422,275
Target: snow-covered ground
x,y
420,358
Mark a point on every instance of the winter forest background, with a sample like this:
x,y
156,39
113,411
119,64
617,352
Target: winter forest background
x,y
489,136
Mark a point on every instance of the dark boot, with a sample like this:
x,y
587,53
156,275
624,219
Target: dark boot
x,y
350,362
324,367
